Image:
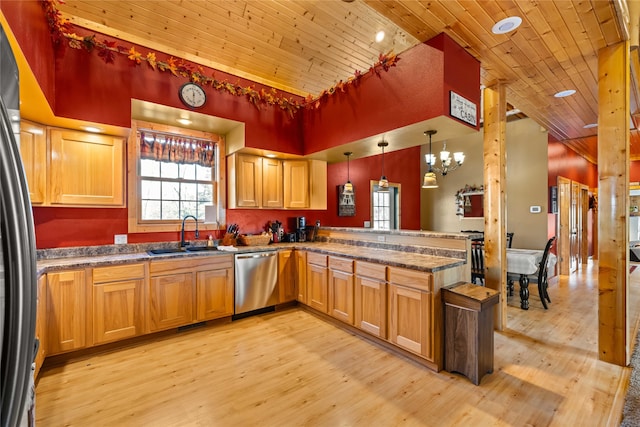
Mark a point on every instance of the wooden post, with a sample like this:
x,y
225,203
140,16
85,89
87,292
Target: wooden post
x,y
495,213
613,202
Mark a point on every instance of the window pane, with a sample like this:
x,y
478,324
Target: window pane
x,y
189,208
150,189
151,209
201,206
203,173
150,168
188,172
188,192
169,170
205,192
170,190
170,210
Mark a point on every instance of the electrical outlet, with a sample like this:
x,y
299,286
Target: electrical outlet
x,y
381,238
120,239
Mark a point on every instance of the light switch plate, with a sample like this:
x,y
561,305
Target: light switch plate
x,y
367,224
120,239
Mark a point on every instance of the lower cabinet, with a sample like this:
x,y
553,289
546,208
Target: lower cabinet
x,y
214,293
286,276
66,311
370,298
341,289
317,282
41,322
118,302
411,311
301,275
170,301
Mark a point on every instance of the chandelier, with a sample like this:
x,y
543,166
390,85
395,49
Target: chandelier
x,y
447,163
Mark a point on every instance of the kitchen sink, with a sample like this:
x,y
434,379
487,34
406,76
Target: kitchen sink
x,y
162,251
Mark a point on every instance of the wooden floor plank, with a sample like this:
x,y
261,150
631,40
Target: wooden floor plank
x,y
291,368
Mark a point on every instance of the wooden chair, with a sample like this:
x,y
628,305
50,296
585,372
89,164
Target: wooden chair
x,y
477,261
542,274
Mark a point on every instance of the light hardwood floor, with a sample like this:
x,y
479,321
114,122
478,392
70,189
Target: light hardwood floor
x,y
291,368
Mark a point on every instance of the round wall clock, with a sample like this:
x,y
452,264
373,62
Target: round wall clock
x,y
192,95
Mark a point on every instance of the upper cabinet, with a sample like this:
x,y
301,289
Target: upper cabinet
x,y
72,168
260,182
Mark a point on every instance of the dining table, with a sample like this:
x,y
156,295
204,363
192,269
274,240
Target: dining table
x,y
525,263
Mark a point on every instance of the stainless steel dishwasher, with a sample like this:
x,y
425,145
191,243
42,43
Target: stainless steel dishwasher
x,y
256,281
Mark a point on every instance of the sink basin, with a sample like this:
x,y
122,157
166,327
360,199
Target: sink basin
x,y
164,251
200,248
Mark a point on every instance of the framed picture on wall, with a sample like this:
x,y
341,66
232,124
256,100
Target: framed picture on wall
x,y
346,201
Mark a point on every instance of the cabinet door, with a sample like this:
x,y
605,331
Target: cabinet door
x,y
214,294
66,311
171,301
248,181
410,319
301,276
41,322
272,183
371,306
33,151
86,169
341,296
118,309
317,287
296,184
286,276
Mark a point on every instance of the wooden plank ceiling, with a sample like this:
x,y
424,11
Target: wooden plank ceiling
x,y
306,46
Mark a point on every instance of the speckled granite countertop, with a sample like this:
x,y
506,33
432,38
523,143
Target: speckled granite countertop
x,y
96,256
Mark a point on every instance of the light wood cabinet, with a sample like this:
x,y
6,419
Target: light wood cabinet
x,y
214,293
370,298
190,290
254,182
410,311
317,282
41,322
86,169
118,302
341,289
286,276
301,275
66,311
33,151
305,184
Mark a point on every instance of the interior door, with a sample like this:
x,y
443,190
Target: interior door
x,y
584,226
574,221
563,238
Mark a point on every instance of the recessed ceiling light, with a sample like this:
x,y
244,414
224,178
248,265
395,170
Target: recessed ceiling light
x,y
379,36
564,93
92,129
590,125
184,121
507,24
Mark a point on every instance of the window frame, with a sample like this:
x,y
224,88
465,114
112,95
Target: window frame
x,y
397,211
135,223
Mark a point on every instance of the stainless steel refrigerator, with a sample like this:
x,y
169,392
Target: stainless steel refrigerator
x,y
17,256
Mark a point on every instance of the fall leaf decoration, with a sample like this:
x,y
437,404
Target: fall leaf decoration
x,y
61,29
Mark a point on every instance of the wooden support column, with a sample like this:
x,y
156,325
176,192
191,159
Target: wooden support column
x,y
495,213
613,202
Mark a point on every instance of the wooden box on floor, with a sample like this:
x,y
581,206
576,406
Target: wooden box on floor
x,y
468,329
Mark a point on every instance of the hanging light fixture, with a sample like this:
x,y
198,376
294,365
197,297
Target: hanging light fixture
x,y
447,164
348,187
383,184
430,180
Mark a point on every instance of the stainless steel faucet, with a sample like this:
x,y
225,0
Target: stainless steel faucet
x,y
182,242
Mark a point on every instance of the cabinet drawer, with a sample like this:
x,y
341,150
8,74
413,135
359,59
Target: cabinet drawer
x,y
411,278
118,272
317,259
189,264
341,264
371,270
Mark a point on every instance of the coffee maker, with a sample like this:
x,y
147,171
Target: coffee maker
x,y
301,229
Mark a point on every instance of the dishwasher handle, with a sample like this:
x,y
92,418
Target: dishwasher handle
x,y
256,255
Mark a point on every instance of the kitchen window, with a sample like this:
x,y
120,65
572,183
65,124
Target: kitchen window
x,y
385,207
176,174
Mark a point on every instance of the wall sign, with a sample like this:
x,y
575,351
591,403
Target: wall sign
x,y
463,109
346,202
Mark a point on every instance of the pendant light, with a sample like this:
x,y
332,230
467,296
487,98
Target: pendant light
x,y
348,187
383,184
430,180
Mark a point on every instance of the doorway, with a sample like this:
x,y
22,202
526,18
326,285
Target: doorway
x,y
385,207
573,239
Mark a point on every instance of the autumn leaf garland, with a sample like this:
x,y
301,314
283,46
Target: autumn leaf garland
x,y
61,30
